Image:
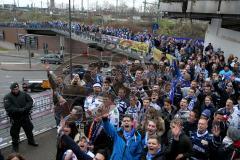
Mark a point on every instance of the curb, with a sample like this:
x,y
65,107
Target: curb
x,y
4,69
19,56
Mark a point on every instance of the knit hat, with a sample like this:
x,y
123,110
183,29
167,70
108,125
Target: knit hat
x,y
206,113
233,133
14,85
97,85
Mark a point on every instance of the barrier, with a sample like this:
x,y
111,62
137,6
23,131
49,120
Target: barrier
x,y
42,118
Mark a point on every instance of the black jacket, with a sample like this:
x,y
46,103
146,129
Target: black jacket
x,y
18,105
225,95
182,146
190,127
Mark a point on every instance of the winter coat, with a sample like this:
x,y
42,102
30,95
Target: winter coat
x,y
122,150
18,105
182,146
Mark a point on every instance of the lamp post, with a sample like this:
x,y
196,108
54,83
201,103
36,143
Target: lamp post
x,y
16,23
158,11
70,37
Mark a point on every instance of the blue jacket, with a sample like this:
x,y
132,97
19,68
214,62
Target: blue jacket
x,y
122,151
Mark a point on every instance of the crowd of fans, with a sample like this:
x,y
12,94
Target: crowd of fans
x,y
183,108
121,32
187,108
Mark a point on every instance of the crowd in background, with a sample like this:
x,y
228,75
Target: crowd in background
x,y
186,108
154,40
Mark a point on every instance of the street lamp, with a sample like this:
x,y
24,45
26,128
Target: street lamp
x,y
70,37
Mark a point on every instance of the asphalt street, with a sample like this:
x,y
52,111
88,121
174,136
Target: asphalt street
x,y
9,76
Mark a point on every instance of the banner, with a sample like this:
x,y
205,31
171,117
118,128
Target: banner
x,y
125,44
170,57
157,54
140,46
137,46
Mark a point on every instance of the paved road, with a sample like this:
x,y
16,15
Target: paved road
x,y
45,151
14,68
7,77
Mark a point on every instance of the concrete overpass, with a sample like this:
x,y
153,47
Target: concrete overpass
x,y
223,16
229,7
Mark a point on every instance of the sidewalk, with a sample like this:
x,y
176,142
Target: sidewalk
x,y
22,67
21,54
46,150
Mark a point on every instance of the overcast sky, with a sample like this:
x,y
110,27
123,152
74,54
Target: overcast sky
x,y
92,3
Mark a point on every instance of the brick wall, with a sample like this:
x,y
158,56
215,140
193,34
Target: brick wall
x,y
52,41
11,34
76,46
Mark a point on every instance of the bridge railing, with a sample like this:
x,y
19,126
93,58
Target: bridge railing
x,y
42,118
108,42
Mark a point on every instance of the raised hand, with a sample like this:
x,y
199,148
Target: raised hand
x,y
176,131
61,100
216,130
62,123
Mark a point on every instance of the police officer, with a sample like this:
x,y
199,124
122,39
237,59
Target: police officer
x,y
18,105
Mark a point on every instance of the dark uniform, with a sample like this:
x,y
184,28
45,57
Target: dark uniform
x,y
18,106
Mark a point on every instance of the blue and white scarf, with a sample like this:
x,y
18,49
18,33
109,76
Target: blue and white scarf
x,y
128,135
150,156
192,102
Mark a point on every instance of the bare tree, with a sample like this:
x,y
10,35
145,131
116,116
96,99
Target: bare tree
x,y
123,7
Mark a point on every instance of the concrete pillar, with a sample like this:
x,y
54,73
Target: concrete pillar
x,y
225,39
62,48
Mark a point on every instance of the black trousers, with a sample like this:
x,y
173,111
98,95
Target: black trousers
x,y
27,126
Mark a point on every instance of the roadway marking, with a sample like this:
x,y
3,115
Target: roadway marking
x,y
14,63
5,63
7,76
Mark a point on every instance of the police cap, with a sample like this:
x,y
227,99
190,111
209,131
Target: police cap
x,y
14,85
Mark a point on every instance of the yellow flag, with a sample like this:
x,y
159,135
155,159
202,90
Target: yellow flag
x,y
170,57
157,54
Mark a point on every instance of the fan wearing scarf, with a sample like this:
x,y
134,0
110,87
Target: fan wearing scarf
x,y
203,142
155,149
126,140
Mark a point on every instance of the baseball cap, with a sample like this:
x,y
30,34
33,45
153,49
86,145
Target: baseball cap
x,y
14,85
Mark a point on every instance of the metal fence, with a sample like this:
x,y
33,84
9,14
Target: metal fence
x,y
42,118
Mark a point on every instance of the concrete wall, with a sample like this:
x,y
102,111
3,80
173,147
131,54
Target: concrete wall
x,y
171,7
203,6
227,40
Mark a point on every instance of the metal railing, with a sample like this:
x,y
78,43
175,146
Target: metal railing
x,y
85,36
